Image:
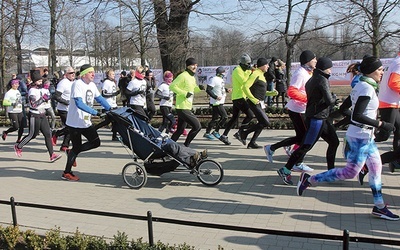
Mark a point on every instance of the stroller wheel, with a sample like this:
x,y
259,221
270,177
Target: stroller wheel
x,y
134,175
209,172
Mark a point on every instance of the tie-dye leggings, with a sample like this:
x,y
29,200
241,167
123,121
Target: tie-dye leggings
x,y
361,151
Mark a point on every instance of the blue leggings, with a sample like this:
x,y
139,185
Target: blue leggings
x,y
316,128
361,151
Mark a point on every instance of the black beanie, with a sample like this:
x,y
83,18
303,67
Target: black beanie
x,y
370,64
35,75
190,61
324,63
261,62
306,56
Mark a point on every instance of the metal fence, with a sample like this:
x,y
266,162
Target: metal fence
x,y
345,238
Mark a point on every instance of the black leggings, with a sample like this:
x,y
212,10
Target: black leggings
x,y
185,117
168,119
316,128
239,105
392,115
93,141
262,119
64,131
38,123
17,122
218,111
300,128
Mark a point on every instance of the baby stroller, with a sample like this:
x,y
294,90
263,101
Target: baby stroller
x,y
149,145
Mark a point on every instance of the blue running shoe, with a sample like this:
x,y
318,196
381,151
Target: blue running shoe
x,y
303,183
269,153
384,213
209,136
216,134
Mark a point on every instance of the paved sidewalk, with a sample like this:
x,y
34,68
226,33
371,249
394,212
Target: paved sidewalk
x,y
250,195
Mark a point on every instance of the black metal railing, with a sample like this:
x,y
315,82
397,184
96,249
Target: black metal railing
x,y
345,237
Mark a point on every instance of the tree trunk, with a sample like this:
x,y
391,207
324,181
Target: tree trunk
x,y
173,32
52,43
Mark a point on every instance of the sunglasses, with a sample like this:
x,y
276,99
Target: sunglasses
x,y
71,73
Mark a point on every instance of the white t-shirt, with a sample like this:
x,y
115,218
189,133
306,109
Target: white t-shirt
x,y
34,95
164,88
44,91
76,117
135,85
14,96
110,87
218,85
64,86
363,89
298,80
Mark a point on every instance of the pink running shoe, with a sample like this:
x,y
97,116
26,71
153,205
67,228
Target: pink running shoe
x,y
54,157
18,151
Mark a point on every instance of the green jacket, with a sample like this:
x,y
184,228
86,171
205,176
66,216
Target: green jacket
x,y
239,77
182,84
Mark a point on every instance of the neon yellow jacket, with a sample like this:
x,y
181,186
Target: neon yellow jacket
x,y
239,77
182,84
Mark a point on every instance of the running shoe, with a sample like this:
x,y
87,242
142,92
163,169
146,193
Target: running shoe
x,y
363,172
393,165
54,157
54,140
384,213
209,136
225,140
303,183
253,145
69,177
301,167
216,134
4,135
238,135
18,151
288,150
286,177
269,153
63,148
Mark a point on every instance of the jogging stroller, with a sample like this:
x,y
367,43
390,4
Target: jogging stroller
x,y
148,144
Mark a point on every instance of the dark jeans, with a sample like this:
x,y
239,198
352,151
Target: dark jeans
x,y
218,111
239,105
316,128
186,117
93,141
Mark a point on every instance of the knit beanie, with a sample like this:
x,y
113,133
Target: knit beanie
x,y
306,56
245,59
324,63
35,75
220,70
370,64
190,61
86,68
261,62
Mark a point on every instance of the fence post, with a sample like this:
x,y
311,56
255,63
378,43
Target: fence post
x,y
13,211
150,228
346,239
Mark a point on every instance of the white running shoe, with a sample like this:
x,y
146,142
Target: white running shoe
x,y
301,167
288,150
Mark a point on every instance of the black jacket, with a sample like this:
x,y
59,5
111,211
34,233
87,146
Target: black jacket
x,y
319,97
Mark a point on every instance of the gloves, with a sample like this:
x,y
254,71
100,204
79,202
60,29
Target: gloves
x,y
387,126
189,94
117,92
46,97
101,115
201,87
166,98
140,92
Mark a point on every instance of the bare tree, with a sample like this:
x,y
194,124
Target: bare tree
x,y
172,31
376,22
